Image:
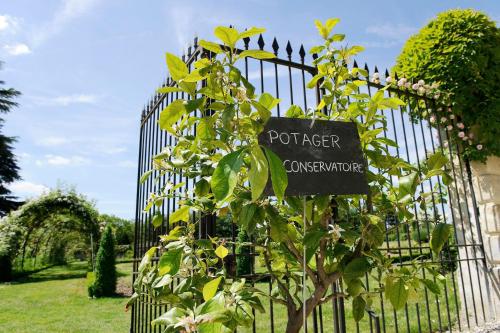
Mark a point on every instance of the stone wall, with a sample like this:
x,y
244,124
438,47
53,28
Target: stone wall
x,y
486,180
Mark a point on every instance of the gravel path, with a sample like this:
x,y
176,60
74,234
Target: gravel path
x,y
491,327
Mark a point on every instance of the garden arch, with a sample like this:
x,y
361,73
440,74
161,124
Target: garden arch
x,y
44,218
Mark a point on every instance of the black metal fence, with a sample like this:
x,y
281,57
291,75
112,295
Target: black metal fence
x,y
465,300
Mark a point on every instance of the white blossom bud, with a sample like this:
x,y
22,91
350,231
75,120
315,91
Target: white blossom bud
x,y
449,127
432,119
465,138
460,125
415,86
421,82
452,116
421,90
461,134
471,135
443,120
479,147
388,79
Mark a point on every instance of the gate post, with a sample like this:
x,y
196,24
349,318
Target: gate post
x,y
486,182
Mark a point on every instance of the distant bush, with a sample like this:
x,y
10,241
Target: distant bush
x,y
243,258
105,270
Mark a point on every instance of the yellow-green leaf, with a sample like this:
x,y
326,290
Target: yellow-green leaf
x,y
251,32
177,68
221,251
210,288
228,36
181,214
257,54
213,47
279,178
171,114
258,173
225,175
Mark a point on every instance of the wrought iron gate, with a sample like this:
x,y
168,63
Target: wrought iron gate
x,y
465,301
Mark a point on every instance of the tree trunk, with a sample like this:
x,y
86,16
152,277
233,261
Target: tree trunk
x,y
295,322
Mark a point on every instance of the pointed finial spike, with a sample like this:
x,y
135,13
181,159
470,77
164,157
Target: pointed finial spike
x,y
396,76
386,73
275,46
302,52
376,69
366,67
260,42
289,49
246,41
355,64
195,42
315,56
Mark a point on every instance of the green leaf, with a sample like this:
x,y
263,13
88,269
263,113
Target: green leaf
x,y
251,32
170,262
397,292
356,268
166,90
213,47
436,161
146,260
257,54
268,101
221,251
181,214
279,178
439,237
246,217
177,68
171,114
432,286
202,187
408,184
225,176
358,308
170,317
157,220
131,300
311,241
228,36
294,111
264,112
210,288
258,173
145,176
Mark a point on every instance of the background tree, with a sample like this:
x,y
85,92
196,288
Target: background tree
x,y
9,170
460,50
105,270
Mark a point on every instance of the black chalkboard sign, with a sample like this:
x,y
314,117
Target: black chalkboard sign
x,y
323,159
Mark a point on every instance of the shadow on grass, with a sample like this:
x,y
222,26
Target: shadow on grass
x,y
72,270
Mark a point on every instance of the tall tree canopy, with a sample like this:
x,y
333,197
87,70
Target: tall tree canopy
x,y
9,170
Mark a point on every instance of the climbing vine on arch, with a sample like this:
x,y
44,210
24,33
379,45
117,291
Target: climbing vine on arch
x,y
42,220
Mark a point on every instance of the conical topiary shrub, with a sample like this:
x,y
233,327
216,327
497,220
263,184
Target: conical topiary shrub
x,y
105,271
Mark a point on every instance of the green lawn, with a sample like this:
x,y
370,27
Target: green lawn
x,y
55,300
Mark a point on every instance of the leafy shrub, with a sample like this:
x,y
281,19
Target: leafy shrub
x,y
243,258
90,283
105,271
460,50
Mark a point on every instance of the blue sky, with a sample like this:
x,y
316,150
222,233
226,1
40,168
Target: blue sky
x,y
86,68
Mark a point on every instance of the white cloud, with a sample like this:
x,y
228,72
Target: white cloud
x,y
69,11
127,164
17,49
392,31
26,188
8,23
66,100
51,141
57,160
